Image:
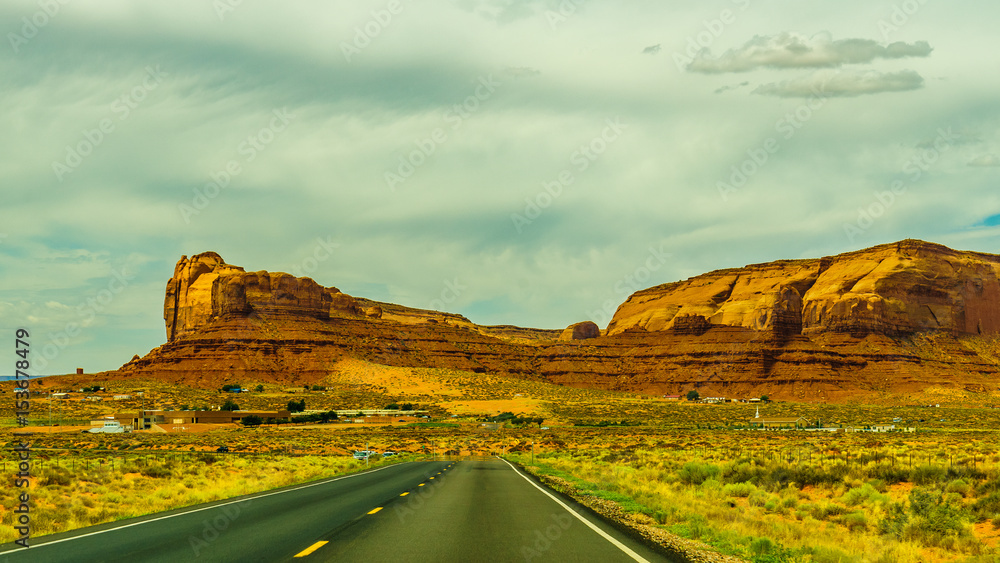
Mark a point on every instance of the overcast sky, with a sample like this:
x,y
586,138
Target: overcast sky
x,y
526,162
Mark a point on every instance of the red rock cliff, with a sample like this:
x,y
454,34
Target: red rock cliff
x,y
892,289
897,319
205,288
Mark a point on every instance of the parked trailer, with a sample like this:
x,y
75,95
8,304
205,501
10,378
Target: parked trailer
x,y
110,427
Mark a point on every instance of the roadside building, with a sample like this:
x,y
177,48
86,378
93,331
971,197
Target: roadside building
x,y
146,419
778,423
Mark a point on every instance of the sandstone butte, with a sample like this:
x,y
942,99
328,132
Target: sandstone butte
x,y
891,321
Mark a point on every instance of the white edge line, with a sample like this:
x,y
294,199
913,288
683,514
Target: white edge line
x,y
317,483
635,556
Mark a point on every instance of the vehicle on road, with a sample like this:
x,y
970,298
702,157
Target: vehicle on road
x,y
388,454
223,450
364,454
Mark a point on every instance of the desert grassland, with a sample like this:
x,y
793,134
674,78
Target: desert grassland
x,y
792,495
687,468
75,490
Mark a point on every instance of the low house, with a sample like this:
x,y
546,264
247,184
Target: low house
x,y
146,419
779,423
671,397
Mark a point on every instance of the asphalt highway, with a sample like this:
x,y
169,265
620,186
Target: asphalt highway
x,y
433,511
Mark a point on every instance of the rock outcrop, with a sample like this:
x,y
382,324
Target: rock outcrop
x,y
893,319
581,331
892,290
204,288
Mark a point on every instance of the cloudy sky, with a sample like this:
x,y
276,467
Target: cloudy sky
x,y
524,162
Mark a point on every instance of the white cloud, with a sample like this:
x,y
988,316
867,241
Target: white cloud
x,y
323,176
986,160
843,84
792,50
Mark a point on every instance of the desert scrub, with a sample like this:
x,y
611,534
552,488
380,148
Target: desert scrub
x,y
865,494
65,501
828,512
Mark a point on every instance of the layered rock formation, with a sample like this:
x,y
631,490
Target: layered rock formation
x,y
893,290
893,319
581,331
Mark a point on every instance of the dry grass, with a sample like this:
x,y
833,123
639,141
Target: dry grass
x,y
76,490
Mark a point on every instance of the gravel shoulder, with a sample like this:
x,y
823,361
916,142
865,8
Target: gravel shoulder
x,y
682,549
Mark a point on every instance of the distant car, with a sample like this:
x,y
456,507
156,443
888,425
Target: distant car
x,y
363,454
223,450
388,454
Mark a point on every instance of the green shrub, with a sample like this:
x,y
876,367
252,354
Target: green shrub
x,y
958,486
758,498
711,484
935,520
697,473
987,508
895,521
740,490
55,476
831,555
927,475
827,510
761,546
863,494
855,521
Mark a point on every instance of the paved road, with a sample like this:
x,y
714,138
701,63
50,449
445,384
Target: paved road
x,y
434,511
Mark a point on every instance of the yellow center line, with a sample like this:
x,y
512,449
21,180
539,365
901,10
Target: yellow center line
x,y
404,494
431,477
311,549
374,510
420,485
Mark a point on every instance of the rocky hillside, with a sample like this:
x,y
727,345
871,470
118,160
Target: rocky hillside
x,y
893,290
893,320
